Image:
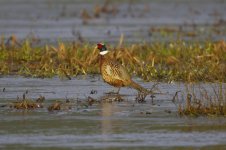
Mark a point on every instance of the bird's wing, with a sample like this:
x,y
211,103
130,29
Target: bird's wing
x,y
117,71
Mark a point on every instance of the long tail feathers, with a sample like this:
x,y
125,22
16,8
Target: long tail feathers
x,y
139,88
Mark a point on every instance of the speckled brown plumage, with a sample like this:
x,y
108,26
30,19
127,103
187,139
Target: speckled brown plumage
x,y
115,74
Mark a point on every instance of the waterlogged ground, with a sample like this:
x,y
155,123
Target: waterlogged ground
x,y
116,125
50,21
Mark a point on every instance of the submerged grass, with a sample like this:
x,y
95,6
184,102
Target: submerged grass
x,y
27,104
173,61
203,102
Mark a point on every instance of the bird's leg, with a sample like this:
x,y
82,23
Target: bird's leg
x,y
118,90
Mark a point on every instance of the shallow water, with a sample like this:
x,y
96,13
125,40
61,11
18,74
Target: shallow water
x,y
116,125
50,21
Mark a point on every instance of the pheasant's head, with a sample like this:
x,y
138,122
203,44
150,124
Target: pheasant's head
x,y
102,48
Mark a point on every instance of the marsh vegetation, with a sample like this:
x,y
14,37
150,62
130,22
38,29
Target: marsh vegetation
x,y
173,61
168,62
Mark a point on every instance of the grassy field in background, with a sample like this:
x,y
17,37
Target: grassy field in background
x,y
172,61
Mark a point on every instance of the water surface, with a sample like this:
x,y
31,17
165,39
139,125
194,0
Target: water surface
x,y
50,21
116,125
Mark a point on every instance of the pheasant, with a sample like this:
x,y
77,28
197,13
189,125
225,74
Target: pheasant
x,y
114,73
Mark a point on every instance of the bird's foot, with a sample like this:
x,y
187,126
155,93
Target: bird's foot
x,y
140,98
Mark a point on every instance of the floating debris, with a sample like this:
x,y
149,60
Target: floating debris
x,y
93,92
92,101
4,105
26,103
146,112
60,105
168,111
41,99
55,106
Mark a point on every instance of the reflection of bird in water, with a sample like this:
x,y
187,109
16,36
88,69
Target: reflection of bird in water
x,y
106,124
114,73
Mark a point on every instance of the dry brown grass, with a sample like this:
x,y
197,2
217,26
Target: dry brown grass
x,y
27,104
204,102
174,61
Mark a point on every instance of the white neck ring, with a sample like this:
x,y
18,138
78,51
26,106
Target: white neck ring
x,y
104,52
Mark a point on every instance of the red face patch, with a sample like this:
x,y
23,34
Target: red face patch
x,y
100,46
